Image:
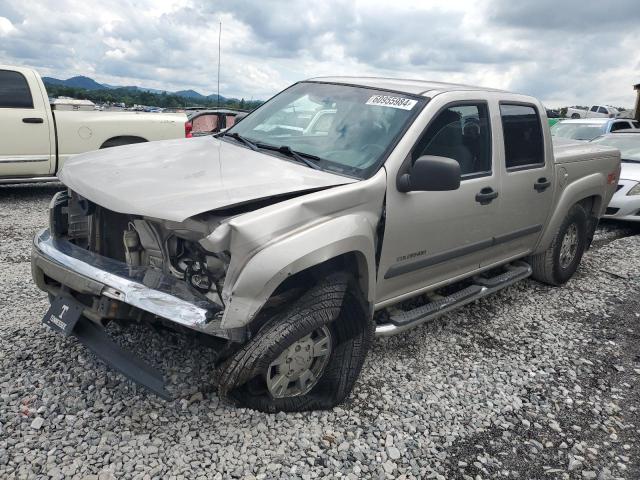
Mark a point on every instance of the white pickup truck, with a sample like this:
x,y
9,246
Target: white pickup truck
x,y
596,111
36,139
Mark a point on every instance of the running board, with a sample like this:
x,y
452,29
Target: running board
x,y
480,287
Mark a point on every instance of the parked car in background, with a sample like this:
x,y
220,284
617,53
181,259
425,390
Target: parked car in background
x,y
207,122
590,128
596,111
407,198
36,139
625,204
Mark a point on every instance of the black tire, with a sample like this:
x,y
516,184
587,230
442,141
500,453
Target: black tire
x,y
575,116
335,302
547,267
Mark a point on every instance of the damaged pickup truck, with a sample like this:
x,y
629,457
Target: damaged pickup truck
x,y
291,247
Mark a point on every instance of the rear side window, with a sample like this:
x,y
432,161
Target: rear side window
x,y
636,124
523,141
620,126
14,90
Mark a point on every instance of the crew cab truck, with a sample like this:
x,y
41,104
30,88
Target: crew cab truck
x,y
595,111
291,249
36,139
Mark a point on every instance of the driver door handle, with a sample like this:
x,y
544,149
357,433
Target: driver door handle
x,y
542,184
486,196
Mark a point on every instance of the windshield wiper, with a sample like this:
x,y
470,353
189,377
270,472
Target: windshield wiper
x,y
300,157
241,139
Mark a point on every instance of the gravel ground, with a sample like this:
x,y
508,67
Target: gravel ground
x,y
534,382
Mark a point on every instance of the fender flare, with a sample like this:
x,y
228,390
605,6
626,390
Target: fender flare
x,y
271,266
590,186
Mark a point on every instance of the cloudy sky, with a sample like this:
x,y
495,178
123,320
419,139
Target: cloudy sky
x,y
564,51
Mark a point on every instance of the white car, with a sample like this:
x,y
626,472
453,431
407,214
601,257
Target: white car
x,y
590,128
36,137
625,204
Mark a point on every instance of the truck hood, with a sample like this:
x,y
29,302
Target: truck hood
x,y
177,179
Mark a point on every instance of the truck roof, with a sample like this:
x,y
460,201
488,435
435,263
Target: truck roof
x,y
414,87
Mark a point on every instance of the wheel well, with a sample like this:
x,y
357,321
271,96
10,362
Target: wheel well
x,y
592,205
122,140
352,262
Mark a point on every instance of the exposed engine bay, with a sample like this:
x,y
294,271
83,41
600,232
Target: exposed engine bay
x,y
169,247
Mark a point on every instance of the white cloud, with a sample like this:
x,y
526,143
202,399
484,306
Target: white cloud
x,y
554,50
6,27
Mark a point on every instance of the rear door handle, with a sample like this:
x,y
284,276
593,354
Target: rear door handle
x,y
486,196
542,184
32,120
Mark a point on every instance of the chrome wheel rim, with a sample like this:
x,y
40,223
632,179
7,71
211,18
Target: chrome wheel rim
x,y
569,246
299,367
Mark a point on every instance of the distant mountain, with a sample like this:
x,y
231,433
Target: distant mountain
x,y
76,82
90,84
133,87
190,94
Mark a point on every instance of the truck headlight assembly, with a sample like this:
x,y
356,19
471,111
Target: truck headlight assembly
x,y
635,190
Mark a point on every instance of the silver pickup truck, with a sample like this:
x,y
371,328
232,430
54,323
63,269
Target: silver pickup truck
x,y
290,245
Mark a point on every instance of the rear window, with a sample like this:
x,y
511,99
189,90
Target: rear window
x,y
523,141
14,90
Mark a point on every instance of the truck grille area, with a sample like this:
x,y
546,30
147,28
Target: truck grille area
x,y
137,244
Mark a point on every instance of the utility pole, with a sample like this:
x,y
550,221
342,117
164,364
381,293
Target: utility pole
x,y
637,89
219,50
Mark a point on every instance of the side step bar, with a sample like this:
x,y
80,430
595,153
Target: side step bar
x,y
481,287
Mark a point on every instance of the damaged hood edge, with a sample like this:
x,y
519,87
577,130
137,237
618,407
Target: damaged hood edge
x,y
177,179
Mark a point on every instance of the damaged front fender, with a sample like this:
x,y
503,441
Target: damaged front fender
x,y
270,245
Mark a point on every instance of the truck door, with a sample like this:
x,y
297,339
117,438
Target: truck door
x,y
527,181
26,146
432,237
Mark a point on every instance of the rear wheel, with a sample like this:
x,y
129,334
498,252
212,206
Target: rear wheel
x,y
560,261
308,357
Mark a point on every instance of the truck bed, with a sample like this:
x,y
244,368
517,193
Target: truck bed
x,y
566,150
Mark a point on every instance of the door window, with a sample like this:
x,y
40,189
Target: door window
x,y
460,132
594,108
620,126
636,124
523,141
205,124
14,90
230,121
603,110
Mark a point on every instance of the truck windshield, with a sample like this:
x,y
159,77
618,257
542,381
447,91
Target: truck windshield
x,y
578,131
343,129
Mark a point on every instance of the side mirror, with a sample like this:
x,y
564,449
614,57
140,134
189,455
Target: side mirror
x,y
431,174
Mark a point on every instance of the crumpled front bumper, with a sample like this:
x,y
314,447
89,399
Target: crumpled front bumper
x,y
147,289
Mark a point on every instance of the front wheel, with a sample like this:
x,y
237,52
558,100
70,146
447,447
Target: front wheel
x,y
307,357
560,261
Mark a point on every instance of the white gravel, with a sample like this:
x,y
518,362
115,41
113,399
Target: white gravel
x,y
534,382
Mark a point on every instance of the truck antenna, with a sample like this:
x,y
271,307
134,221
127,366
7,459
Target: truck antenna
x,y
219,43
